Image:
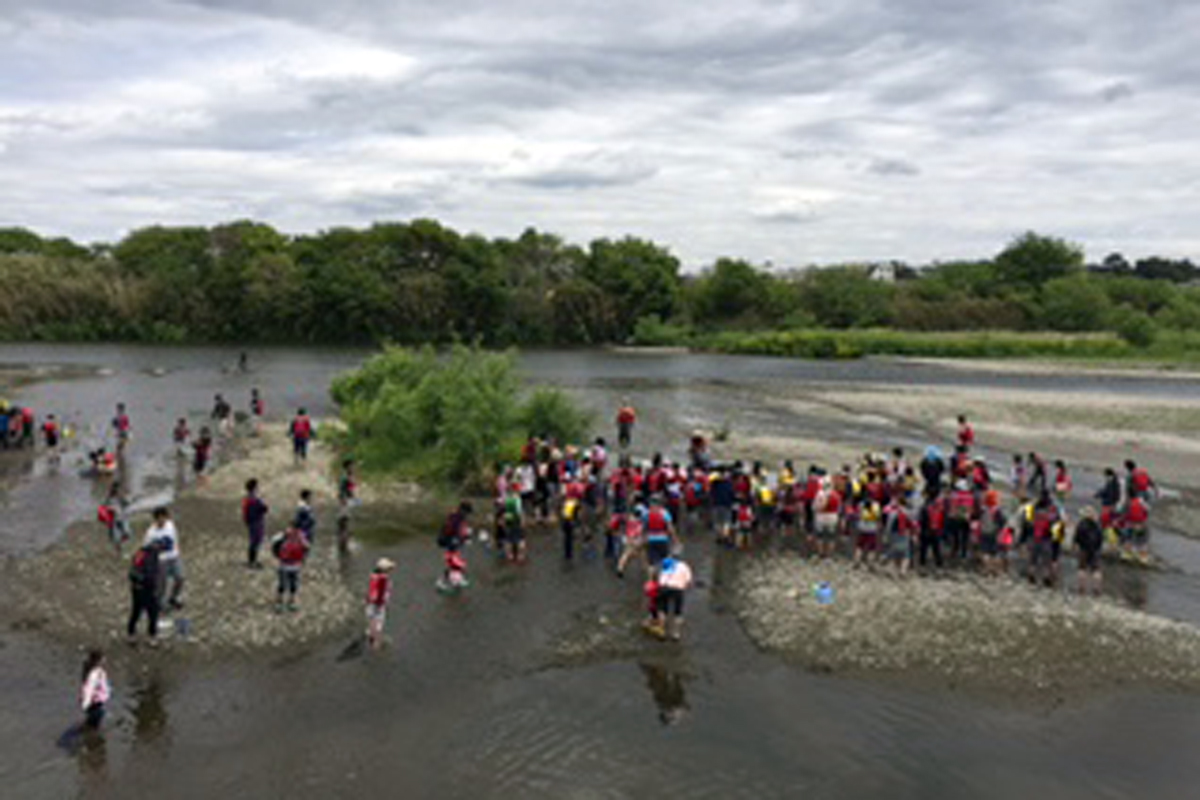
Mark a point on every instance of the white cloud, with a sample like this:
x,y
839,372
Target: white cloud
x,y
788,131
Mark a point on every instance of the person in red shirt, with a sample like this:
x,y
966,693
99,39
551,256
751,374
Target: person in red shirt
x,y
1135,527
379,591
1046,519
122,427
961,511
301,431
51,434
626,419
966,434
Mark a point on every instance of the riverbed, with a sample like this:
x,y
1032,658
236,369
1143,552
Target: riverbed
x,y
489,694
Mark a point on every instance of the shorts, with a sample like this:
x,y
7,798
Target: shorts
x,y
51,442
670,601
989,544
93,715
1040,552
173,568
300,447
722,516
513,534
1089,560
376,613
867,542
1138,535
827,530
787,518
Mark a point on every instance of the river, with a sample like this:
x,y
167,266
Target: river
x,y
472,700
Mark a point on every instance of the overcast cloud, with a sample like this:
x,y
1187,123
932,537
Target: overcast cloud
x,y
794,132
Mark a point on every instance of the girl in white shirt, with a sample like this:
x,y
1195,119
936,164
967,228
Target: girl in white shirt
x,y
94,694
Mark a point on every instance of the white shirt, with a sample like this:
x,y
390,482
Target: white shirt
x,y
168,536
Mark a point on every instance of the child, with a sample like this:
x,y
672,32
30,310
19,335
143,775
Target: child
x,y
653,624
290,549
745,524
112,515
254,514
257,409
181,434
634,541
203,450
305,520
301,431
828,510
51,433
379,591
900,528
454,577
96,690
673,581
514,534
866,538
1062,481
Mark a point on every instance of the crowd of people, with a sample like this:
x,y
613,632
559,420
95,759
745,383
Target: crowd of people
x,y
938,512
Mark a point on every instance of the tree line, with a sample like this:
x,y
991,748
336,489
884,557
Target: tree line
x,y
422,282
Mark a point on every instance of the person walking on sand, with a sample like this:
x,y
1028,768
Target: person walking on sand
x,y
254,515
301,431
95,691
379,591
626,419
162,530
290,548
145,584
1089,540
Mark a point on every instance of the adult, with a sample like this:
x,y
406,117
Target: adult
x,y
1046,519
457,528
1138,482
1089,540
933,466
660,532
162,530
626,419
254,515
1109,497
145,584
222,415
301,431
961,512
932,520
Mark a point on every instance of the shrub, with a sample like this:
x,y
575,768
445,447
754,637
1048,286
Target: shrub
x,y
444,419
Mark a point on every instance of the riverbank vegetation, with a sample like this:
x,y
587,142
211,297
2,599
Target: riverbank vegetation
x,y
447,419
421,282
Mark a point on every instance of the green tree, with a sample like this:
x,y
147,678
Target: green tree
x,y
846,297
1032,260
1076,303
638,276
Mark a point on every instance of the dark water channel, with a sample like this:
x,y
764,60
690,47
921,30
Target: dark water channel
x,y
472,699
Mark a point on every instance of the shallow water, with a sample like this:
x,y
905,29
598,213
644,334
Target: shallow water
x,y
474,697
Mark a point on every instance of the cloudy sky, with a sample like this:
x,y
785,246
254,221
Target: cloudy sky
x,y
795,132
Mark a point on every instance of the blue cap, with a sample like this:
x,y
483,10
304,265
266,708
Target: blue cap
x,y
668,564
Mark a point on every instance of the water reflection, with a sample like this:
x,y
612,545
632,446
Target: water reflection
x,y
667,688
148,709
